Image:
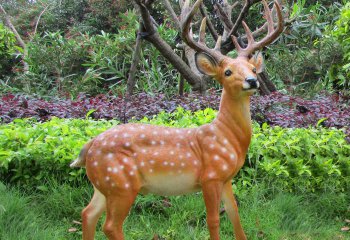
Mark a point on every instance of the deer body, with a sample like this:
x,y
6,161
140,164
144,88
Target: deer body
x,y
138,158
169,161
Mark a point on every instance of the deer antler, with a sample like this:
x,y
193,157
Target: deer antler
x,y
272,33
187,14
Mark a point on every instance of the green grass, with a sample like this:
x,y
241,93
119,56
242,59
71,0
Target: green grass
x,y
50,213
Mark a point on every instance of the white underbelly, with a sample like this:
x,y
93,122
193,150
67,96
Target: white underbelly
x,y
170,185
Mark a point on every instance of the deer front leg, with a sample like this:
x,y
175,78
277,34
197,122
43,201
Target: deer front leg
x,y
232,211
212,192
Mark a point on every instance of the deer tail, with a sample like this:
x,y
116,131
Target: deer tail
x,y
80,161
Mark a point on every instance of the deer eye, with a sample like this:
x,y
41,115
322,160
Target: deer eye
x,y
254,70
228,73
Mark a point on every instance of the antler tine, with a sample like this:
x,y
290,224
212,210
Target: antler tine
x,y
272,33
202,31
187,16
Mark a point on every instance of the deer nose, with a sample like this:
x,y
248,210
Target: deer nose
x,y
252,81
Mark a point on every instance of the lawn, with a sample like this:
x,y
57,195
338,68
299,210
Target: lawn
x,y
54,213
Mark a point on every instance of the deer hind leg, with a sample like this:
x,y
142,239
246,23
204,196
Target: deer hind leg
x,y
92,213
212,192
118,207
232,211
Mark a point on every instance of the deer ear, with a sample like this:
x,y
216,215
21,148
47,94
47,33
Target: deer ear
x,y
206,64
258,61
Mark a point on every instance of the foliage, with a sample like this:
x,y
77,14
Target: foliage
x,y
32,152
306,45
340,73
307,158
58,59
276,109
7,49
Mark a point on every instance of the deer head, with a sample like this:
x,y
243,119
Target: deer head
x,y
238,76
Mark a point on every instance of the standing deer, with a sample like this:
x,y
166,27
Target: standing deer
x,y
137,158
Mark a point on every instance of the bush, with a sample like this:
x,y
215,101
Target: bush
x,y
293,158
7,49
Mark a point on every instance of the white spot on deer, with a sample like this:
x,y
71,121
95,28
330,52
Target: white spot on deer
x,y
125,160
95,163
127,185
162,142
155,133
211,146
127,144
107,178
188,155
109,169
142,135
172,152
153,142
189,132
115,170
98,152
104,143
232,156
121,167
225,141
165,163
134,154
195,162
142,127
211,174
224,167
177,131
112,144
200,131
167,132
152,161
113,184
131,173
134,167
142,164
183,164
150,170
216,158
110,156
181,157
172,164
178,145
192,143
223,150
143,150
156,153
125,135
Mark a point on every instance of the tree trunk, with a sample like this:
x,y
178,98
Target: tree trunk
x,y
267,86
135,61
20,41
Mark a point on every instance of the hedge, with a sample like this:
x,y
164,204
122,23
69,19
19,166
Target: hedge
x,y
309,159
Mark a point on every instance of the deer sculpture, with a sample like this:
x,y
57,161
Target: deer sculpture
x,y
138,158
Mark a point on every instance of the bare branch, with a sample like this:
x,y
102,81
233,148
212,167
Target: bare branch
x,y
37,22
172,13
211,28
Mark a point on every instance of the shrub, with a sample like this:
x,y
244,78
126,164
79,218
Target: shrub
x,y
7,49
292,158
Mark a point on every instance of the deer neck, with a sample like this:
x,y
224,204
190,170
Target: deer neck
x,y
234,121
